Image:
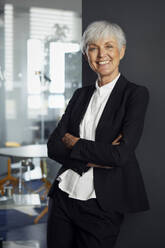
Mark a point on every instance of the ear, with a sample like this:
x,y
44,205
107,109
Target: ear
x,y
122,52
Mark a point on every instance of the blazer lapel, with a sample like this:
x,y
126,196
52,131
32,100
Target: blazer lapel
x,y
82,107
113,102
85,101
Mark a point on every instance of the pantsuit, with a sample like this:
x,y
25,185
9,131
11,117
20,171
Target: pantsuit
x,y
119,189
77,224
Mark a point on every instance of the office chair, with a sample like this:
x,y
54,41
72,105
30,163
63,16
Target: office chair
x,y
9,179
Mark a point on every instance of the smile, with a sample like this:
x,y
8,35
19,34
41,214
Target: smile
x,y
103,62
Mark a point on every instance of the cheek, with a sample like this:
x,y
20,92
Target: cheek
x,y
117,58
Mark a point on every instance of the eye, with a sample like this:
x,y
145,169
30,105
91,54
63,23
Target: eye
x,y
109,46
91,49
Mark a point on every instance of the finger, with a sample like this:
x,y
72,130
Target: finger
x,y
98,166
67,135
116,144
65,140
118,138
114,141
89,164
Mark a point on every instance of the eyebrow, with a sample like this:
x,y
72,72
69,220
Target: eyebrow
x,y
92,44
109,42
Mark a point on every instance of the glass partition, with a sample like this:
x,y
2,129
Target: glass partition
x,y
38,43
40,68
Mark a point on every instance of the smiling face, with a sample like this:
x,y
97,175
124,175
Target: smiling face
x,y
104,57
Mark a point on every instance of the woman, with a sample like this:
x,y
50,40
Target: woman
x,y
95,141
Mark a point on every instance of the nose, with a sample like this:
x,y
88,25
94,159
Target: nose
x,y
101,52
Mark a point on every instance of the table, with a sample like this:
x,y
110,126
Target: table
x,y
25,153
29,151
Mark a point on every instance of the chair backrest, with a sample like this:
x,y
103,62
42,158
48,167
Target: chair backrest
x,y
12,144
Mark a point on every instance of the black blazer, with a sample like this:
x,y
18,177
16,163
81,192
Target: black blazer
x,y
120,188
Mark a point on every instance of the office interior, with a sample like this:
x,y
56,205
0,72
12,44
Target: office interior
x,y
40,68
29,111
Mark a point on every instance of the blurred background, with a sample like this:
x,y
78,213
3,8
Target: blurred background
x,y
40,68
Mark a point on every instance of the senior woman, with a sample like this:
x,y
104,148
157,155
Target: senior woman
x,y
95,142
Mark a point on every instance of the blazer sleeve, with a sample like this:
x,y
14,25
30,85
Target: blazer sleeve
x,y
56,148
106,154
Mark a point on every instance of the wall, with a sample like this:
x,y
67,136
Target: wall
x,y
143,22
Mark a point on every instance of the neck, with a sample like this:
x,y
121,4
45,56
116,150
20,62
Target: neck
x,y
105,80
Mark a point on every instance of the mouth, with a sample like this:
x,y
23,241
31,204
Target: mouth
x,y
103,62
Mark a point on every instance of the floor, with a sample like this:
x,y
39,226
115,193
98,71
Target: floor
x,y
31,232
17,224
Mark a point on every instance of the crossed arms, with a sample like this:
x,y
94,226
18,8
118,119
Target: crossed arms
x,y
68,149
70,140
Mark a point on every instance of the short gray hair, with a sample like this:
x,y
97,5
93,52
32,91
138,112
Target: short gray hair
x,y
101,29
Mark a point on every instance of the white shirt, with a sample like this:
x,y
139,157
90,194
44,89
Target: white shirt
x,y
82,187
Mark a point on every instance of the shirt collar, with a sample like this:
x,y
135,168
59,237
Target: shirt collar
x,y
107,88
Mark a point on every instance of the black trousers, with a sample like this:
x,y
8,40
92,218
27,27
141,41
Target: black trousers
x,y
80,224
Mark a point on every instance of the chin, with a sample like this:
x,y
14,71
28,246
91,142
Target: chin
x,y
105,74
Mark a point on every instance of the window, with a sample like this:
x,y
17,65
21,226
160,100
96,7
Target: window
x,y
42,69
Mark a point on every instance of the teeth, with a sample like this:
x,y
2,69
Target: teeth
x,y
103,62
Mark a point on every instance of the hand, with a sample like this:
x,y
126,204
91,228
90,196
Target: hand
x,y
98,166
116,141
69,140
